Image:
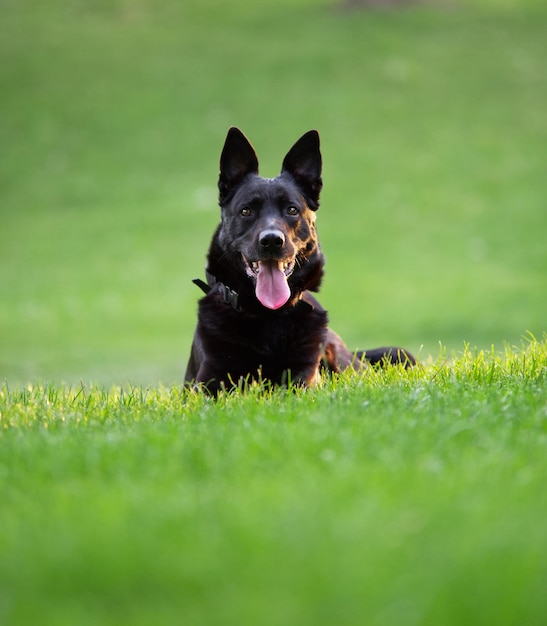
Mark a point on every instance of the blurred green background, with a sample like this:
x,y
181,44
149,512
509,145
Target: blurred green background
x,y
433,121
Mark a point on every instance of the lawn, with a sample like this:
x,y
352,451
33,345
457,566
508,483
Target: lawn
x,y
382,498
114,113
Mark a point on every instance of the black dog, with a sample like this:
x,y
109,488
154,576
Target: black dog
x,y
258,320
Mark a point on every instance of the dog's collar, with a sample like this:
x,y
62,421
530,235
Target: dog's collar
x,y
230,296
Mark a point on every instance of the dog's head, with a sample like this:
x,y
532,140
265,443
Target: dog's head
x,y
268,224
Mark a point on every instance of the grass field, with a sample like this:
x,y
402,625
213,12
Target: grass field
x,y
387,498
390,498
434,134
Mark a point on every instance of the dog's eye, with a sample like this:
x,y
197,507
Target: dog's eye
x,y
292,210
246,211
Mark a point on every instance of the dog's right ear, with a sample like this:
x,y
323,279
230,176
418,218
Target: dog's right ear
x,y
238,159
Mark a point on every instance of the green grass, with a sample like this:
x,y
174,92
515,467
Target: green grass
x,y
381,498
384,498
113,116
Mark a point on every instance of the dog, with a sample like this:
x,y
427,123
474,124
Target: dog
x,y
258,319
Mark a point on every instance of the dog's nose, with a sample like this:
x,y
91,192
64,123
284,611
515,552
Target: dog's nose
x,y
271,240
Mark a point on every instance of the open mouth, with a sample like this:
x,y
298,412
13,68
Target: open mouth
x,y
253,267
272,288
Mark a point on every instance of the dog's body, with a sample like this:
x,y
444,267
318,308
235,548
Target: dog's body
x,y
258,319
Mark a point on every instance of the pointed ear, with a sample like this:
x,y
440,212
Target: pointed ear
x,y
303,163
238,159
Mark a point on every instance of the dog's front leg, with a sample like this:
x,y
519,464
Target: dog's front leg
x,y
308,379
201,370
209,380
303,374
217,373
194,361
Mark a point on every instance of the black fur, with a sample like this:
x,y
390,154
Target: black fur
x,y
268,223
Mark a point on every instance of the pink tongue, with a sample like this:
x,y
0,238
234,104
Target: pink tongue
x,y
272,289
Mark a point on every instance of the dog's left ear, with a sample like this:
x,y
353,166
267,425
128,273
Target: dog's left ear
x,y
303,163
